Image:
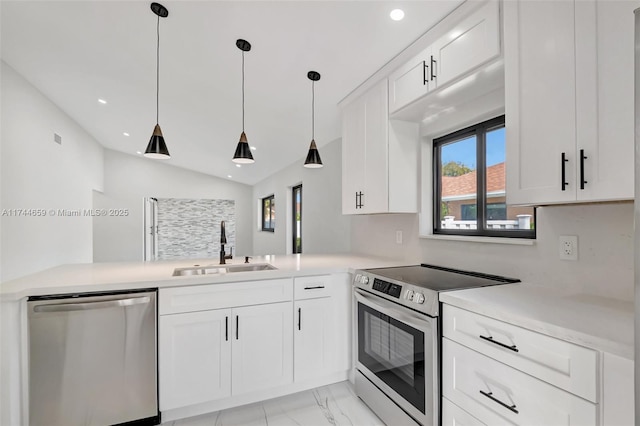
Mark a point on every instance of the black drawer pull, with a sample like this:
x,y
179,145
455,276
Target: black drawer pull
x,y
495,342
237,328
433,65
299,318
564,159
490,396
314,287
424,73
582,158
226,328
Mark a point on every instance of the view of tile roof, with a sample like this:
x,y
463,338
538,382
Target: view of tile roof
x,y
466,184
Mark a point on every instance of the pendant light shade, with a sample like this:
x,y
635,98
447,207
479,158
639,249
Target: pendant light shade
x,y
157,148
313,160
243,151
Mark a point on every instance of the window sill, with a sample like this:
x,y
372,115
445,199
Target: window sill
x,y
476,239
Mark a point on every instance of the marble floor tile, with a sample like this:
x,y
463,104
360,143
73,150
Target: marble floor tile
x,y
333,405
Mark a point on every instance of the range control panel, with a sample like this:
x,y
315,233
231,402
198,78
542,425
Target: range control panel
x,y
393,290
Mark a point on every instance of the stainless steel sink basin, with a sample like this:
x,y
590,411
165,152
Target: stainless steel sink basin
x,y
221,269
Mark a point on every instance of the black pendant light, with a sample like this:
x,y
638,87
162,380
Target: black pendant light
x,y
157,148
243,151
313,160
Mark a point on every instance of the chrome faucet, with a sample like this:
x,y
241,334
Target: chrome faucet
x,y
223,241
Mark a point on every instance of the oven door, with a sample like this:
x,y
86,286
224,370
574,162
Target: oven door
x,y
398,352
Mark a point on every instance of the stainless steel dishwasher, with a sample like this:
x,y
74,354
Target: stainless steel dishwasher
x,y
93,359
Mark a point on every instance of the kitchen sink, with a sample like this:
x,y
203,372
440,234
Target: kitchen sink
x,y
221,269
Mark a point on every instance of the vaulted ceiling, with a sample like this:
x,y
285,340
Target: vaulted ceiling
x,y
78,51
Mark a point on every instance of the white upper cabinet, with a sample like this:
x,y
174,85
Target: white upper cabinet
x,y
378,157
472,42
468,45
411,81
568,101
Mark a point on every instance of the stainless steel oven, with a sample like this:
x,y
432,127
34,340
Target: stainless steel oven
x,y
397,338
397,353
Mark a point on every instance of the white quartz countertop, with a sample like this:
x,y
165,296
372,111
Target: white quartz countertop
x,y
588,320
89,277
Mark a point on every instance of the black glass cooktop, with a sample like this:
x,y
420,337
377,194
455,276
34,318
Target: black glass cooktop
x,y
437,278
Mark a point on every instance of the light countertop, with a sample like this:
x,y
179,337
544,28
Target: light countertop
x,y
89,277
588,320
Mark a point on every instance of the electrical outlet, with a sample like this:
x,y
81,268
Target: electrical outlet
x,y
568,247
398,237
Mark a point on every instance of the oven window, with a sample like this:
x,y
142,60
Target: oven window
x,y
393,351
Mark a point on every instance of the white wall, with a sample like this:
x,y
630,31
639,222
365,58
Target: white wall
x,y
324,228
128,179
605,241
37,173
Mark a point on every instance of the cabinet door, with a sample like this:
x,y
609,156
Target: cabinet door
x,y
314,333
194,358
470,44
262,347
375,198
364,153
605,81
540,100
411,81
353,155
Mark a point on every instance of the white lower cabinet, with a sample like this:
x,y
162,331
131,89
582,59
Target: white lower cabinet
x,y
495,393
262,349
313,338
321,326
194,358
210,355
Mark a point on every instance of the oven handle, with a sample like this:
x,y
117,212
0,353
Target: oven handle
x,y
395,311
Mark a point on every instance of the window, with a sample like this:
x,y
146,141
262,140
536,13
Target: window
x,y
268,214
297,218
470,185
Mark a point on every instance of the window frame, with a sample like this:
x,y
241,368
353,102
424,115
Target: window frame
x,y
271,227
479,131
294,229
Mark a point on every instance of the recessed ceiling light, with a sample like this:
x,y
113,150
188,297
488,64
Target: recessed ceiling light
x,y
253,148
139,152
229,176
238,165
102,101
397,14
125,133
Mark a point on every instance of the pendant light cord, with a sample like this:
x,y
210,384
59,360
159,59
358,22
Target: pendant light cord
x,y
313,109
158,73
243,91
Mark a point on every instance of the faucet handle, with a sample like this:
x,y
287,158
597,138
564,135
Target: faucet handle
x,y
246,259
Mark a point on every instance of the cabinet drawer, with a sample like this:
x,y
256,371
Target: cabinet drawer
x,y
452,415
215,296
495,393
563,364
312,287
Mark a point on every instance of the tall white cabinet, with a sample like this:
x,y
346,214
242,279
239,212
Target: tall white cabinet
x,y
569,101
379,157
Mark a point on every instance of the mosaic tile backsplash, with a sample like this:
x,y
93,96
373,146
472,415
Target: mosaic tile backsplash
x,y
189,228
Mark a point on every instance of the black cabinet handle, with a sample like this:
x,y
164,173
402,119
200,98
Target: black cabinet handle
x,y
299,318
359,200
237,327
314,287
495,342
564,178
226,328
433,65
424,73
494,399
361,203
582,158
